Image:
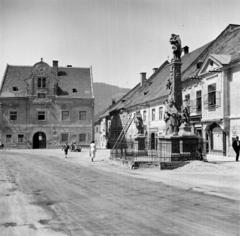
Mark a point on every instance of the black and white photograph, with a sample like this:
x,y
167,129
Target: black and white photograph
x,y
119,118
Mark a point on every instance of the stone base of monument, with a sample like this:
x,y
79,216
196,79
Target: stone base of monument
x,y
139,145
178,148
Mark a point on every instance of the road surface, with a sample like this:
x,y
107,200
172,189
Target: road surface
x,y
47,195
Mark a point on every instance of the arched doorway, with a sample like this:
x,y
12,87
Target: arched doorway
x,y
39,140
216,138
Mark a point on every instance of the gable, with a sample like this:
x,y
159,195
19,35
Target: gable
x,y
209,65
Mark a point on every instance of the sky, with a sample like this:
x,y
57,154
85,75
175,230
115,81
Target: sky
x,y
118,38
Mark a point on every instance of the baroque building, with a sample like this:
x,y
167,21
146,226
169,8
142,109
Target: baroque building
x,y
43,106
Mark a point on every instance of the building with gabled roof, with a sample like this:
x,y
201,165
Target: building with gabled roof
x,y
44,106
209,94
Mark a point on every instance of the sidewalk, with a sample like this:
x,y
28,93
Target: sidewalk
x,y
216,177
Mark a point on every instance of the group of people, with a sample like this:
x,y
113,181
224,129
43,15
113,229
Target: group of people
x,y
92,150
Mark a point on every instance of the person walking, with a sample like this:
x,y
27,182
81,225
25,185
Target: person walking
x,y
65,148
92,150
236,147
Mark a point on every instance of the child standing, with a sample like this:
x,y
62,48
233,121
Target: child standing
x,y
92,150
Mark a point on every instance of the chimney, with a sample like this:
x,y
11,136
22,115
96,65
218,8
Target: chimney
x,y
185,50
69,65
55,64
155,69
143,78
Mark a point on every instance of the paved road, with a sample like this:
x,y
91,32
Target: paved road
x,y
88,201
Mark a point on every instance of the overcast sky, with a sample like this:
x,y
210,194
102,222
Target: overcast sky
x,y
119,38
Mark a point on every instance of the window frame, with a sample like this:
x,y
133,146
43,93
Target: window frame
x,y
199,101
84,135
160,111
153,114
68,117
11,115
80,115
20,138
45,115
212,96
64,140
41,82
144,115
41,94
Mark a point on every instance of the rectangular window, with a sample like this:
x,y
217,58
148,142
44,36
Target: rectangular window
x,y
82,137
13,115
41,82
41,115
187,98
153,113
65,115
41,95
82,115
8,138
20,138
199,101
144,115
160,113
211,96
64,137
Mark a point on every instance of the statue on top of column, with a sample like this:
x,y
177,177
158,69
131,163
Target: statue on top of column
x,y
175,41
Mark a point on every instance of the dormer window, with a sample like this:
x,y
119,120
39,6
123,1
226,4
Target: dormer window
x,y
14,89
74,90
41,82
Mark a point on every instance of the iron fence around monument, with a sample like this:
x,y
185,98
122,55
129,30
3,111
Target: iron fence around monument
x,y
161,153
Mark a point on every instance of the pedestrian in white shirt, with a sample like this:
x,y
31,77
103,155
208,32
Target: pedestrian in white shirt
x,y
92,150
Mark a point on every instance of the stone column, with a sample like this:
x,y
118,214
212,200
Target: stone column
x,y
1,122
176,89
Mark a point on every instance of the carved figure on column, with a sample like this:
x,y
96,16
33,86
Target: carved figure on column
x,y
139,123
169,86
172,118
175,41
185,113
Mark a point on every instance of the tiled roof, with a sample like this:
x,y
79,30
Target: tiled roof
x,y
69,78
223,59
228,42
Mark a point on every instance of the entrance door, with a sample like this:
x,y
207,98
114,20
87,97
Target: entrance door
x,y
152,141
39,140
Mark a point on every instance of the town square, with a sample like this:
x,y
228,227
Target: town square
x,y
95,142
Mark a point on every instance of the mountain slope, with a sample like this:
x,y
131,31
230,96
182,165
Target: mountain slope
x,y
105,93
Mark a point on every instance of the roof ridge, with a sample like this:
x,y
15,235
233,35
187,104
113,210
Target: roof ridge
x,y
3,79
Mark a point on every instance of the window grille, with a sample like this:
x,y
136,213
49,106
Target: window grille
x,y
13,115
